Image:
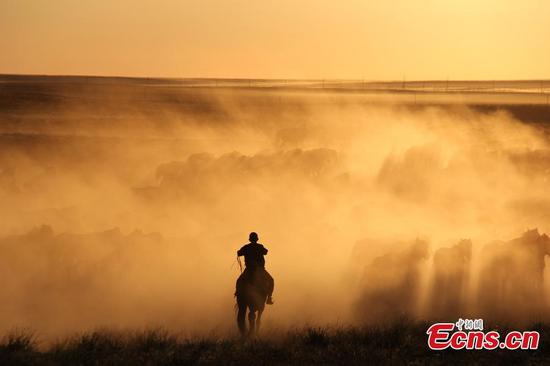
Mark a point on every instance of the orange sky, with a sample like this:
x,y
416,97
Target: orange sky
x,y
371,39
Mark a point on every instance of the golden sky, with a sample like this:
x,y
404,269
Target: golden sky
x,y
371,39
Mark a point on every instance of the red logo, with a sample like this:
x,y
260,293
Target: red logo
x,y
469,335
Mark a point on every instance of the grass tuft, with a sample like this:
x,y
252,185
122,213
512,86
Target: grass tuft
x,y
401,342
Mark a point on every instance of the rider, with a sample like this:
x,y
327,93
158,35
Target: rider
x,y
253,253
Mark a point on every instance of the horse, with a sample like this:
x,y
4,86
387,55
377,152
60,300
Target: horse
x,y
251,295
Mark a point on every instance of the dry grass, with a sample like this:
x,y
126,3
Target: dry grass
x,y
403,342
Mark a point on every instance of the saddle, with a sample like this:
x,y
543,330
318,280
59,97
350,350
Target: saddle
x,y
255,277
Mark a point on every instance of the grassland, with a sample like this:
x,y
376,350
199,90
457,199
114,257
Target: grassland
x,y
97,134
400,343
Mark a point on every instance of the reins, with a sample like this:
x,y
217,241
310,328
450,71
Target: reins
x,y
240,264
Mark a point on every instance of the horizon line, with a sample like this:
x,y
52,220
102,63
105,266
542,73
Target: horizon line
x,y
250,79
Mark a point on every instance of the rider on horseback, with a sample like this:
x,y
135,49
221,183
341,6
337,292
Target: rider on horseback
x,y
254,260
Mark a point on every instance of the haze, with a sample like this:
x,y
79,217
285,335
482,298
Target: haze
x,y
124,201
497,39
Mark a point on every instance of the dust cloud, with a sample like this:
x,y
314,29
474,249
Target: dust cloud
x,y
124,202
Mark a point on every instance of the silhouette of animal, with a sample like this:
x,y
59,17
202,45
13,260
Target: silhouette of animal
x,y
251,296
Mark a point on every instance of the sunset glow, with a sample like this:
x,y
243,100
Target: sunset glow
x,y
390,40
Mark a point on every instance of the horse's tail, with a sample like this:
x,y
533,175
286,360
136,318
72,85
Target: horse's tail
x,y
236,306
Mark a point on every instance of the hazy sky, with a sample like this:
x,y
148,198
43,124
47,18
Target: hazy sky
x,y
372,39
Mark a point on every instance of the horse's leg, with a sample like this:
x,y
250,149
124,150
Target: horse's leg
x,y
252,321
258,321
241,315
